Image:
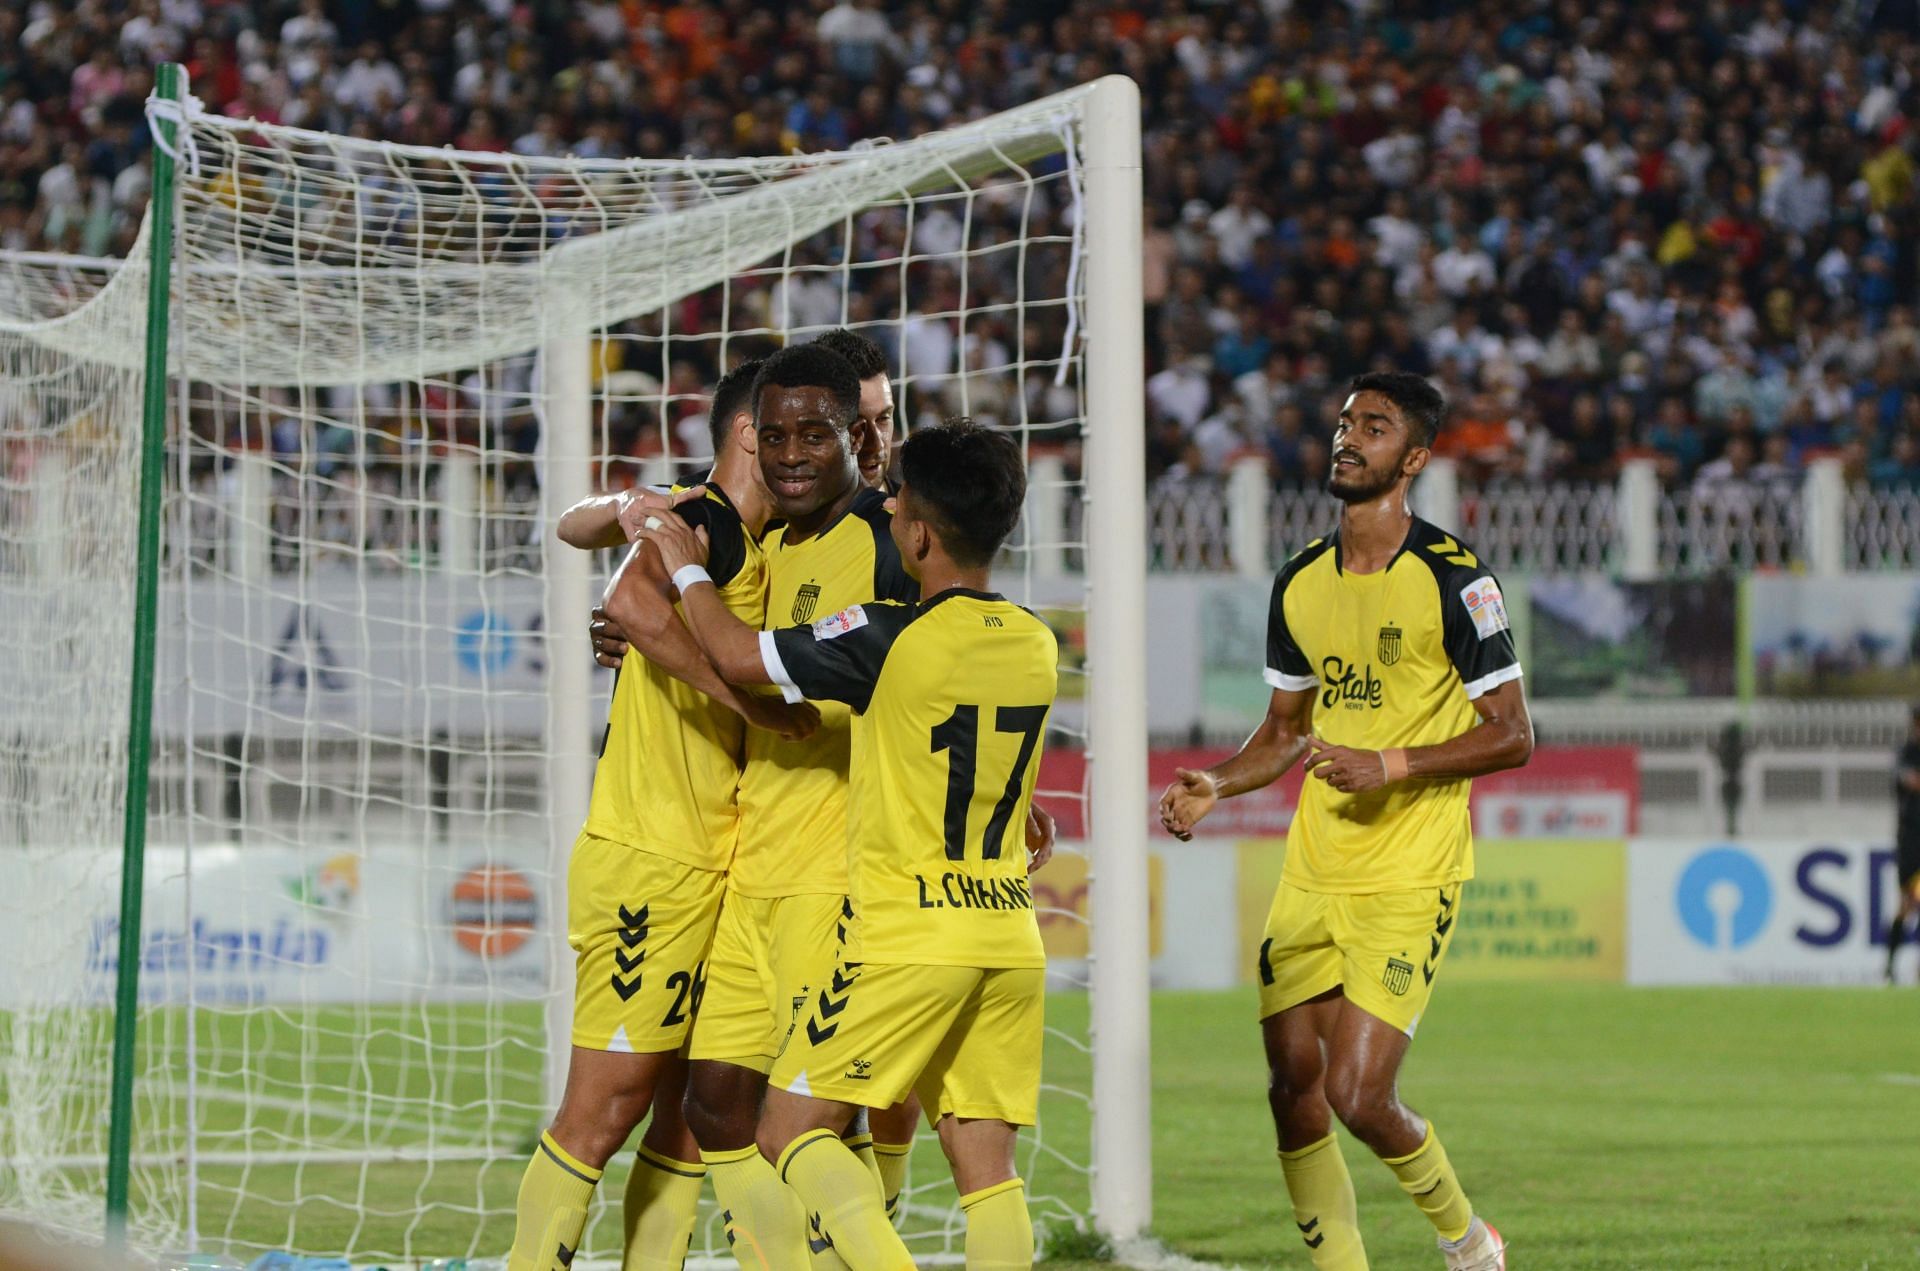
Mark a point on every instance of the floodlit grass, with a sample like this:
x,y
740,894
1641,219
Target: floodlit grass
x,y
1599,1127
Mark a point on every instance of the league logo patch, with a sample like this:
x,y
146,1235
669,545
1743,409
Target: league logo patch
x,y
1484,604
851,618
804,602
1389,645
1398,977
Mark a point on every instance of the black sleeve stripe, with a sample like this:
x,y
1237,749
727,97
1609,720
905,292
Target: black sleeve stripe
x,y
1482,663
1286,664
890,578
726,537
841,667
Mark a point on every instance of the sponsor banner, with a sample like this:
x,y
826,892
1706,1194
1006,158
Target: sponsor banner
x,y
407,657
257,924
1598,636
1563,792
1541,909
1850,636
1784,911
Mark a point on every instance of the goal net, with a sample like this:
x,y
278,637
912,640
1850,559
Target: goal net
x,y
375,714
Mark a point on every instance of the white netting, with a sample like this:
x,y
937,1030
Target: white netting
x,y
351,908
68,475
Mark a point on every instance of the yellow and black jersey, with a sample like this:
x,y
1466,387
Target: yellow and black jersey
x,y
793,795
671,757
952,698
1397,658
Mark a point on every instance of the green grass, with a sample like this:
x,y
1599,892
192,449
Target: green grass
x,y
1599,1127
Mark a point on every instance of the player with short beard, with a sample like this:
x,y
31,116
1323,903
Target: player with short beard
x,y
874,440
1395,678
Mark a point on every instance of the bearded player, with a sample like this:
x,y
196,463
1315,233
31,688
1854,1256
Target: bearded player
x,y
647,874
1395,679
874,425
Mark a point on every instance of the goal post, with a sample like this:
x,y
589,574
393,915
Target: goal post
x,y
374,712
153,454
1117,655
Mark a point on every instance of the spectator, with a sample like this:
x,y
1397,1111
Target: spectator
x,y
1704,228
1181,391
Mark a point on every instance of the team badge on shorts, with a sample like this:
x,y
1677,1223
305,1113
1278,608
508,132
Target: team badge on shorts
x,y
1398,977
1389,645
804,602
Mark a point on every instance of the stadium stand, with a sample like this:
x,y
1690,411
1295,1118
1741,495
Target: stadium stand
x,y
1685,234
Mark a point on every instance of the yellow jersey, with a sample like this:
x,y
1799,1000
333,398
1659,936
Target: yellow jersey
x,y
950,699
670,758
1397,658
793,794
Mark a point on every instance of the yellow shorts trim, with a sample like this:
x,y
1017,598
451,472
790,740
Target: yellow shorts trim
x,y
769,953
640,925
966,1039
1382,950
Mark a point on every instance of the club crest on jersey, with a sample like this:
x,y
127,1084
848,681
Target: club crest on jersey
x,y
1389,645
804,602
1398,977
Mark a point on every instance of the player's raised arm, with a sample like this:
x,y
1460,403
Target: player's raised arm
x,y
609,520
639,599
1275,746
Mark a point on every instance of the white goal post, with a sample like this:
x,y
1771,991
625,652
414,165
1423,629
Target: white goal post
x,y
375,717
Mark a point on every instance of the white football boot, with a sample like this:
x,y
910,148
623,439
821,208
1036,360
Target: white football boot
x,y
1481,1249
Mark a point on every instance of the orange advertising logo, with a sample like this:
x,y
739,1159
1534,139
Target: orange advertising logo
x,y
495,911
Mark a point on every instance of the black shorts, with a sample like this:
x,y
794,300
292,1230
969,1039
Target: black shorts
x,y
1907,853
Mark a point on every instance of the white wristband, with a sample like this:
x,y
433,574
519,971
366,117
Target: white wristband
x,y
687,575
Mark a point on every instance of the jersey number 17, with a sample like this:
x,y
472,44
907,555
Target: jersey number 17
x,y
959,735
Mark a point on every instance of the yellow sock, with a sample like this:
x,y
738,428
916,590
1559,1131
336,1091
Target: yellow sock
x,y
999,1232
1428,1177
766,1225
819,1244
1323,1207
663,1197
833,1183
890,1160
552,1209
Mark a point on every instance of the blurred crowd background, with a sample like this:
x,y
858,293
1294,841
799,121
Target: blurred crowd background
x,y
1683,231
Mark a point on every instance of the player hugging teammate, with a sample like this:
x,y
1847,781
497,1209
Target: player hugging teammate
x,y
760,885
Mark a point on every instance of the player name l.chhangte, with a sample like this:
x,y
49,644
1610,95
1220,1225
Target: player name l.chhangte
x,y
964,891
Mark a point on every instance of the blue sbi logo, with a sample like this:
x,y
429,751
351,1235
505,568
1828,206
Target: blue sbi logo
x,y
1724,898
483,642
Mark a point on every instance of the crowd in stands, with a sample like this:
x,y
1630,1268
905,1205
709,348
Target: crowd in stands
x,y
1681,229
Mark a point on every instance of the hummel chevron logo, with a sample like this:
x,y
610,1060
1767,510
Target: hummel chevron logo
x,y
564,1256
635,925
1313,1241
1452,552
842,985
829,1008
817,1034
1442,924
625,988
627,964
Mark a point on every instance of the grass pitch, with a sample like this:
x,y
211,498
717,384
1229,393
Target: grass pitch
x,y
1598,1126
